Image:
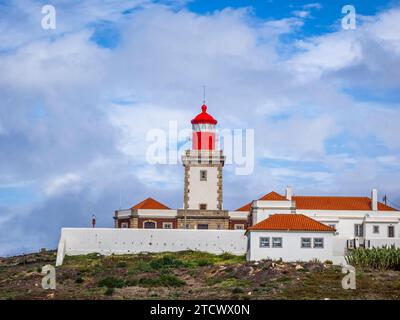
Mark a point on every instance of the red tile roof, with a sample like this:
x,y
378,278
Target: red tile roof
x,y
324,203
246,207
149,203
272,196
292,222
337,203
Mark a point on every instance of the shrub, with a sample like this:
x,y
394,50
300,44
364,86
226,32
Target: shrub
x,y
109,292
121,264
140,266
383,258
204,262
111,282
283,279
79,280
237,290
166,262
164,280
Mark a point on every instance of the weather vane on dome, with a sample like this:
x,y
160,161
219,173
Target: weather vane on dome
x,y
204,94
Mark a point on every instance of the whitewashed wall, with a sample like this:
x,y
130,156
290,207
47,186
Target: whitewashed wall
x,y
380,242
203,191
291,247
76,241
343,220
383,229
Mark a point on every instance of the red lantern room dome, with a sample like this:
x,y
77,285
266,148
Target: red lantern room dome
x,y
204,117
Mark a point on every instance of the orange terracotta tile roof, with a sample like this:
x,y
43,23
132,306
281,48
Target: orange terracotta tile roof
x,y
337,203
292,222
272,196
246,207
324,203
149,203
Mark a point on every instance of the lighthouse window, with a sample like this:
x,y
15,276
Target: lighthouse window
x,y
203,175
203,206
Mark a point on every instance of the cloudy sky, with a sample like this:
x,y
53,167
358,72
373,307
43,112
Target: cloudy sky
x,y
77,102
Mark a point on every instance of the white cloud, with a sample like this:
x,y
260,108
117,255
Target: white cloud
x,y
74,116
312,6
68,181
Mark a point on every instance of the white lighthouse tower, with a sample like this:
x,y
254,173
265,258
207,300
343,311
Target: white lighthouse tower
x,y
203,165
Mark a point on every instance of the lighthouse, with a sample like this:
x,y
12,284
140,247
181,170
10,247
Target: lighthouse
x,y
203,126
202,200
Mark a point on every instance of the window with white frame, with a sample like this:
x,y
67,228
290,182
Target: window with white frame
x,y
390,231
264,242
358,230
167,225
277,242
306,242
375,229
318,242
239,226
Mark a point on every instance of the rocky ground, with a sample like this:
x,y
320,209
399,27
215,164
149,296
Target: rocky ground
x,y
186,275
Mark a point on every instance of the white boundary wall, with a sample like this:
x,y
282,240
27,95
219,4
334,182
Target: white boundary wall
x,y
380,242
77,241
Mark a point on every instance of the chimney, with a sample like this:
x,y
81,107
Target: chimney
x,y
374,200
289,192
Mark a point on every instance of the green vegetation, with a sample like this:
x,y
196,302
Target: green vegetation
x,y
79,280
189,275
164,280
109,292
385,258
237,290
111,282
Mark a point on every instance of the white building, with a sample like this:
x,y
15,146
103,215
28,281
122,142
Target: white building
x,y
277,226
290,237
357,221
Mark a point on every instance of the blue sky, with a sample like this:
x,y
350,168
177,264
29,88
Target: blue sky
x,y
77,102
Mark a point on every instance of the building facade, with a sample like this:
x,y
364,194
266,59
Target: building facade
x,y
277,225
202,190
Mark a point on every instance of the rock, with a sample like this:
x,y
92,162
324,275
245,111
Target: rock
x,y
249,293
298,267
